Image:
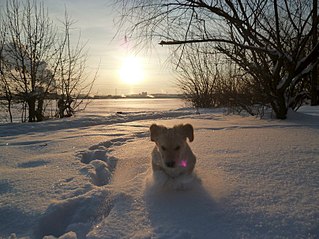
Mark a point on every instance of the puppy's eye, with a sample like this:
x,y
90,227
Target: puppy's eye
x,y
177,147
163,148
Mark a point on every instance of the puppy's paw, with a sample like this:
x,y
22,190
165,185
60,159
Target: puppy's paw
x,y
156,181
159,178
185,182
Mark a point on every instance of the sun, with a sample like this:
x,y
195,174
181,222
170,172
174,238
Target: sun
x,y
131,71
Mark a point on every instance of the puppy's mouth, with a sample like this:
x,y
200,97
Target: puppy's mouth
x,y
170,164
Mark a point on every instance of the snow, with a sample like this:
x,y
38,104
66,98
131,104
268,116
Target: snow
x,y
90,177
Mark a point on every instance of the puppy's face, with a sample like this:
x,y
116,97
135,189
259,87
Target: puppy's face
x,y
171,143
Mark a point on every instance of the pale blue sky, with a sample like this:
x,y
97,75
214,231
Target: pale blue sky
x,y
95,20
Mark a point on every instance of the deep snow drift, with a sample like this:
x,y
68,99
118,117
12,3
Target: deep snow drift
x,y
90,177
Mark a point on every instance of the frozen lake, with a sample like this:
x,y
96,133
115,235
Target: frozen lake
x,y
109,106
106,106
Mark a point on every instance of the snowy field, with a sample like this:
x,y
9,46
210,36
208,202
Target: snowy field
x,y
90,177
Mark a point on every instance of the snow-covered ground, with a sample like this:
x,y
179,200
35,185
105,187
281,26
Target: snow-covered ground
x,y
90,177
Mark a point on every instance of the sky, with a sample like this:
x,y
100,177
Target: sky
x,y
121,69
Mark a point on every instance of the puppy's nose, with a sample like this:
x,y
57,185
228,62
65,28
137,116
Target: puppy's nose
x,y
170,164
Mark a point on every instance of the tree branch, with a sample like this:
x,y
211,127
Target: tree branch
x,y
254,48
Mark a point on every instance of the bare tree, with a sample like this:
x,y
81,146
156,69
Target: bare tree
x,y
5,91
270,40
73,85
209,79
30,52
39,62
198,76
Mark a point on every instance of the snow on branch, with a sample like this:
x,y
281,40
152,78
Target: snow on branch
x,y
313,56
272,52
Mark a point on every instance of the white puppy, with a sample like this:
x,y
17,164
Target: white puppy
x,y
172,154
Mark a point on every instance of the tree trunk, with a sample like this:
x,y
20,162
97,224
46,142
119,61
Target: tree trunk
x,y
9,111
314,87
39,111
9,99
279,106
32,111
314,75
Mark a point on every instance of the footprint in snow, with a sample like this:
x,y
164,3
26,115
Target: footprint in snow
x,y
99,166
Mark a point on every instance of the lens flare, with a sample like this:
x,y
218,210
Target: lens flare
x,y
183,163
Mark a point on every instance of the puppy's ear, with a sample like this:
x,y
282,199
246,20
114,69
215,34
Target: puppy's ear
x,y
188,131
155,131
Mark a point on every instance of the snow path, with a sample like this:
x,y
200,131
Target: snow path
x,y
259,179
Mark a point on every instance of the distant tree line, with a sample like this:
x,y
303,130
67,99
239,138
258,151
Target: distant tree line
x,y
39,63
238,53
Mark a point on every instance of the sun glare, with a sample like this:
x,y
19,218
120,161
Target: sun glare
x,y
131,71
